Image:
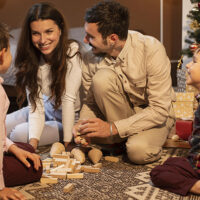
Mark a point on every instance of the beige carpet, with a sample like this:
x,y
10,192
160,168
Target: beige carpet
x,y
115,181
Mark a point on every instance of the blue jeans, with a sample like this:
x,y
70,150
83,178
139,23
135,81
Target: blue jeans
x,y
17,125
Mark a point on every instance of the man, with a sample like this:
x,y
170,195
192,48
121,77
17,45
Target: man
x,y
127,86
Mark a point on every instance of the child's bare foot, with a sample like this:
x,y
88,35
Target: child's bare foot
x,y
195,188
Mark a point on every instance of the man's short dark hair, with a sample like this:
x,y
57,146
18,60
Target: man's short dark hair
x,y
111,17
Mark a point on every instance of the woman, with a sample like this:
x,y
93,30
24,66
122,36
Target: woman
x,y
49,72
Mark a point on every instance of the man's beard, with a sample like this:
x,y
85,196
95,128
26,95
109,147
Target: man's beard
x,y
99,54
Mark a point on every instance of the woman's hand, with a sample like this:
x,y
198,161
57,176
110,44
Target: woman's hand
x,y
33,142
23,155
9,193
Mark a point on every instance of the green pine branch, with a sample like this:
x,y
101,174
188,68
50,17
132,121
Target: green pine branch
x,y
193,35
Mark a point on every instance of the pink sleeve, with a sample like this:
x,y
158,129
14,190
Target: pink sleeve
x,y
1,163
8,144
4,141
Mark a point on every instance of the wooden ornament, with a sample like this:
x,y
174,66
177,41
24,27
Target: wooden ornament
x,y
95,155
175,137
57,148
78,155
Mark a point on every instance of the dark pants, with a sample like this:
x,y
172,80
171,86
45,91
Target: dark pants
x,y
175,175
15,172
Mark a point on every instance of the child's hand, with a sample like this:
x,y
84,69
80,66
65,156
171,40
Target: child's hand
x,y
9,193
22,155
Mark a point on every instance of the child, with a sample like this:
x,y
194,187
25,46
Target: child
x,y
17,166
182,175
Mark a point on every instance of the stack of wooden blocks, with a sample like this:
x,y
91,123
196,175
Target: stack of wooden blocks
x,y
64,166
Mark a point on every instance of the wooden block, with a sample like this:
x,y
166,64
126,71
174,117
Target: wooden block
x,y
47,160
68,170
177,144
111,158
55,164
63,170
46,165
91,169
56,168
68,187
98,165
60,161
68,163
82,167
48,180
75,175
78,133
73,165
83,141
45,175
66,153
78,169
77,162
61,175
62,156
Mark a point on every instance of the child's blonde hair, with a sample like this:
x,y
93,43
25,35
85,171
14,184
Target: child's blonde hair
x,y
4,36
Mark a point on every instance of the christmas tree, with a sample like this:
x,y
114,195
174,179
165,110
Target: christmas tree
x,y
193,34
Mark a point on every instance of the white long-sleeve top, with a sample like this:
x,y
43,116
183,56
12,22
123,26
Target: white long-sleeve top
x,y
70,102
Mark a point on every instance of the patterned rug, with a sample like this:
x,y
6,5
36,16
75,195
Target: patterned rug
x,y
116,181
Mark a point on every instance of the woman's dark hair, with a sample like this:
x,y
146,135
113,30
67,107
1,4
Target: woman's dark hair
x,y
28,56
4,36
111,17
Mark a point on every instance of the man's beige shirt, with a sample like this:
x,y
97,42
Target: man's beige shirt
x,y
144,70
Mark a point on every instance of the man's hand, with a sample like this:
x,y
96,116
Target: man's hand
x,y
75,129
23,155
77,138
94,127
9,193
